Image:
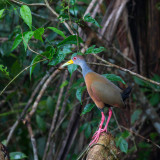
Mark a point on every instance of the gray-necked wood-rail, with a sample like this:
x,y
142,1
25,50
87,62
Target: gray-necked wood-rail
x,y
102,91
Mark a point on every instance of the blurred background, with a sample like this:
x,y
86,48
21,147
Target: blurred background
x,y
63,116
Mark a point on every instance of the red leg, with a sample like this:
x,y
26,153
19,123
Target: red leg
x,y
97,133
109,117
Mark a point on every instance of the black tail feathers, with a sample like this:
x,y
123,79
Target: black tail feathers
x,y
126,92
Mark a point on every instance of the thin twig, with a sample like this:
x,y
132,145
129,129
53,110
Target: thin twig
x,y
32,4
54,117
116,120
33,141
89,7
148,140
27,105
20,74
57,15
35,105
126,70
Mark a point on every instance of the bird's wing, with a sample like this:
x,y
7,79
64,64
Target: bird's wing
x,y
106,93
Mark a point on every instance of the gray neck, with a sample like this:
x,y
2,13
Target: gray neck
x,y
85,68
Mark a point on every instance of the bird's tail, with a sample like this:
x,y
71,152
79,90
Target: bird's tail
x,y
126,92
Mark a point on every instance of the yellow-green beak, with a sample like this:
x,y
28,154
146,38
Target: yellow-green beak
x,y
67,63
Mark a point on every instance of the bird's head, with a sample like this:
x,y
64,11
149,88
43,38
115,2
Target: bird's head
x,y
75,60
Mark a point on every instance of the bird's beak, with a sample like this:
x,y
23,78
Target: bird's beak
x,y
67,63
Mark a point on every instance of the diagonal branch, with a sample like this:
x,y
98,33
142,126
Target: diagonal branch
x,y
126,70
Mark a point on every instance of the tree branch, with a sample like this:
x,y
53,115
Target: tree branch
x,y
126,70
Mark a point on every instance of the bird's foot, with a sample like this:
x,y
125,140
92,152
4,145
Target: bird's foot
x,y
96,136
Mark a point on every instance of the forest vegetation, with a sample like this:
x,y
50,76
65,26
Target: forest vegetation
x,y
45,110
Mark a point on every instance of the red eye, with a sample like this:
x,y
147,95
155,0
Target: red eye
x,y
74,58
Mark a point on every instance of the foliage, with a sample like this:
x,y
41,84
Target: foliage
x,y
33,34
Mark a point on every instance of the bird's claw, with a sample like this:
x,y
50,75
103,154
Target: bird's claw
x,y
96,136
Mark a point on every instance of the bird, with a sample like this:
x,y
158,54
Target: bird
x,y
103,92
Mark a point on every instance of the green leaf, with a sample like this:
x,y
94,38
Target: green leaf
x,y
88,131
153,136
57,31
16,42
88,18
125,134
64,84
4,142
38,34
4,69
27,36
87,108
25,13
122,144
72,68
155,99
17,155
36,59
1,13
135,115
94,50
71,40
79,93
144,145
140,81
50,104
41,123
113,77
61,54
72,2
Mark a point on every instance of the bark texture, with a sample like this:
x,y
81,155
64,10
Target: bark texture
x,y
105,149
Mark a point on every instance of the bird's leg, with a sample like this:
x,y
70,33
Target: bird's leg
x,y
109,117
97,133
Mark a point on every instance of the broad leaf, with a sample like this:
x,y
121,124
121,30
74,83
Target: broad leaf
x,y
140,81
38,34
113,77
50,104
41,123
87,108
79,93
155,99
88,18
72,68
87,131
122,144
16,42
57,31
135,115
17,155
94,50
1,13
26,15
71,40
27,36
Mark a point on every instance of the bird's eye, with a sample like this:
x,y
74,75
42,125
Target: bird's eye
x,y
74,58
